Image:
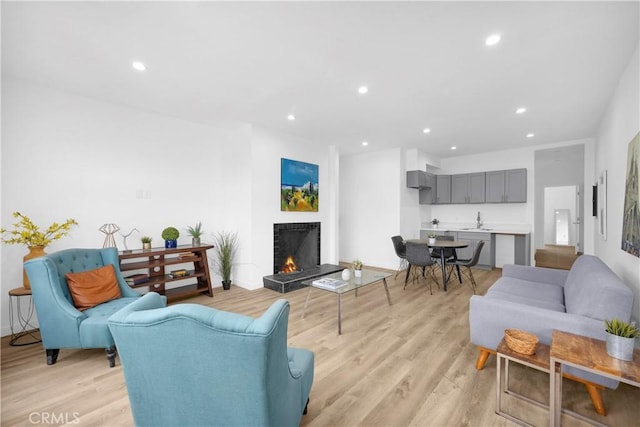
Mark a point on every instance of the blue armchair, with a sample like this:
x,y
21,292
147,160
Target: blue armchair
x,y
191,365
61,324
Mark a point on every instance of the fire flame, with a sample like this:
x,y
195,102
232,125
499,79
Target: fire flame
x,y
289,265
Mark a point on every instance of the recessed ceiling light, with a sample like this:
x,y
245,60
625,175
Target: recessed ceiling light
x,y
137,65
365,143
530,135
521,110
454,148
493,39
363,89
291,117
426,130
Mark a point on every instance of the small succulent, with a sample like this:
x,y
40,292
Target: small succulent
x,y
435,221
357,264
432,235
622,329
146,239
195,231
170,233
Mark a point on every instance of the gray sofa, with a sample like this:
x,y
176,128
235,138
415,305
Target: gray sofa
x,y
539,300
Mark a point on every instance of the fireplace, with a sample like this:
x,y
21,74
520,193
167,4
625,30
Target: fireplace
x,y
296,256
296,246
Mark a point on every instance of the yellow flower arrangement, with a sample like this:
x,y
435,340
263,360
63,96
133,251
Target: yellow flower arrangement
x,y
29,234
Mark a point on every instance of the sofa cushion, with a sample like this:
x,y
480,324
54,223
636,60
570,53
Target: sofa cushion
x,y
538,294
93,287
593,290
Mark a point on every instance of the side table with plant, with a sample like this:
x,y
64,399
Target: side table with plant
x,y
26,233
195,232
170,236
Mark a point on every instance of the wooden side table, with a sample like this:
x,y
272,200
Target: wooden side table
x,y
26,329
539,361
590,355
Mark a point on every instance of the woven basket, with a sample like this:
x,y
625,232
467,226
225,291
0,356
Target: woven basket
x,y
521,341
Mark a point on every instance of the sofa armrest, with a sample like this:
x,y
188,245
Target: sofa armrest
x,y
536,274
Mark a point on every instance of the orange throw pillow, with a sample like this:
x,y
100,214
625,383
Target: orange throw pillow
x,y
93,287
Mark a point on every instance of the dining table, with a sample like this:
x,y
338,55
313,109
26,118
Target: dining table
x,y
442,244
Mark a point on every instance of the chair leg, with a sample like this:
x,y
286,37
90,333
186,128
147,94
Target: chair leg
x,y
306,407
406,279
459,277
52,355
111,355
402,266
474,286
596,399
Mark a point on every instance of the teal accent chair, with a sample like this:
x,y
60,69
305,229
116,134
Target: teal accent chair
x,y
61,324
192,365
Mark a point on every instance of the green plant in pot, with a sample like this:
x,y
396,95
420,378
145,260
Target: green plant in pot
x,y
146,242
621,338
195,232
226,245
170,236
357,268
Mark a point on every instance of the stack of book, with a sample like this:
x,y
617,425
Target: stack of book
x,y
136,279
329,283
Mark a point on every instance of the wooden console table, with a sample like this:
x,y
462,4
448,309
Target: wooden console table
x,y
158,264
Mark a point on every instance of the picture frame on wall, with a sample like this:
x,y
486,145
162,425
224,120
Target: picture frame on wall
x,y
299,190
631,213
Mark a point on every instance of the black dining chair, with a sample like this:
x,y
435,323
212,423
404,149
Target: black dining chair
x,y
449,254
401,251
468,263
418,255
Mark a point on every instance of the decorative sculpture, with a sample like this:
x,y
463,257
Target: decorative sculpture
x,y
109,230
124,239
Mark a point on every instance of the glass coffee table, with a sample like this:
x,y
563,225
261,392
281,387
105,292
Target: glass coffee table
x,y
369,277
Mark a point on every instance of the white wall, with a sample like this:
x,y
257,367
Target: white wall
x,y
619,126
370,186
67,156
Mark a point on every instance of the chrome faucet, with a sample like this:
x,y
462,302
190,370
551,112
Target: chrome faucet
x,y
478,222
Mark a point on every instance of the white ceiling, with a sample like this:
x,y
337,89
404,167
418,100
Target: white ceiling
x,y
425,63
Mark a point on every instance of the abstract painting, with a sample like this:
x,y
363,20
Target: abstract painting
x,y
298,186
631,213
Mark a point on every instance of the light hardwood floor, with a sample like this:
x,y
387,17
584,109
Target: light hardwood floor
x,y
409,364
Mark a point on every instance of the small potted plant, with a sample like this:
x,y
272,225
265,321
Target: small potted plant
x,y
435,222
226,245
195,232
146,242
170,236
357,268
432,238
621,338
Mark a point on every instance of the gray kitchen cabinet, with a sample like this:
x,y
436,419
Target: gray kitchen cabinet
x,y
443,189
507,186
416,179
468,188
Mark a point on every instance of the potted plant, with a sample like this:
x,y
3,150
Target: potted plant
x,y
195,232
26,233
621,338
432,238
435,222
226,244
357,268
146,242
170,236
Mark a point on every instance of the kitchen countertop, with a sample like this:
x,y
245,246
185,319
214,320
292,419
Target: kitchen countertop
x,y
521,230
